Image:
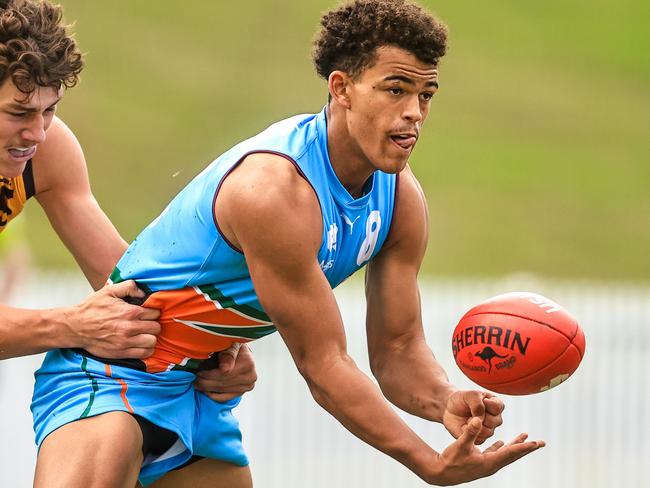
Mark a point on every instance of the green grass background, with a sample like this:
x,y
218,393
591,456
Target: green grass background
x,y
535,158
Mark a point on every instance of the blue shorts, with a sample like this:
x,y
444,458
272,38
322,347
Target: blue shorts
x,y
70,386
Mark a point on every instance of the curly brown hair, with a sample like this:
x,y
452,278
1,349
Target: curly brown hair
x,y
351,34
35,47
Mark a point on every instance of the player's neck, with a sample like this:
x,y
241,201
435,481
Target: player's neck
x,y
351,166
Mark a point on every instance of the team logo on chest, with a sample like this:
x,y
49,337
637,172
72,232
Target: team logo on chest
x,y
332,234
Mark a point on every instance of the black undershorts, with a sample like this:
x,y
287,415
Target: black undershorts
x,y
156,440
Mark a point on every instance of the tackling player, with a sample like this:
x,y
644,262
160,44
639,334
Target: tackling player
x,y
40,157
256,243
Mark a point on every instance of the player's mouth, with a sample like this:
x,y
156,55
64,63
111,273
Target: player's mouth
x,y
21,154
405,140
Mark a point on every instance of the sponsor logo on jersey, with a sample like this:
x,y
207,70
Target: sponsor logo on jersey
x,y
332,234
326,265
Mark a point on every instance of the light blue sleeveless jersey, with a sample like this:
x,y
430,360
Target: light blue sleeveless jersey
x,y
183,246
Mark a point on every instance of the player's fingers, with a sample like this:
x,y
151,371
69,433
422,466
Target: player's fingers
x,y
494,447
222,397
519,439
474,401
484,435
207,387
146,341
493,404
511,452
492,421
136,353
228,357
143,327
233,391
214,379
148,313
224,385
125,289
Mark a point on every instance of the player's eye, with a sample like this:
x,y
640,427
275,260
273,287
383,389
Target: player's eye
x,y
396,91
17,114
427,96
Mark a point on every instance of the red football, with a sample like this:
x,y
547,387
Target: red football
x,y
518,343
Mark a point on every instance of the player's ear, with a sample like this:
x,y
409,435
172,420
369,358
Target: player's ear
x,y
339,86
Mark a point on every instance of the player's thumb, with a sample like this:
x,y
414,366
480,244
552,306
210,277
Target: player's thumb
x,y
126,289
472,429
228,357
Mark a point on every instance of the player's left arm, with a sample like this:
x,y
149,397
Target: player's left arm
x,y
407,371
63,190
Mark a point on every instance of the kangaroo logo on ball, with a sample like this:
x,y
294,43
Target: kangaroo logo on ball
x,y
487,355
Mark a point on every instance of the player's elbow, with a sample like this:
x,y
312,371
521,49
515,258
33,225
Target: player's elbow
x,y
383,363
324,374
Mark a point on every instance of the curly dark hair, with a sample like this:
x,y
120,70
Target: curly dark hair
x,y
351,34
35,47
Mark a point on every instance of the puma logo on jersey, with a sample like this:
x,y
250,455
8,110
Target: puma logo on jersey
x,y
349,222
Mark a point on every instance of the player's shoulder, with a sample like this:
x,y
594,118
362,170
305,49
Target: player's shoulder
x,y
410,203
268,195
272,179
60,143
409,190
59,158
410,216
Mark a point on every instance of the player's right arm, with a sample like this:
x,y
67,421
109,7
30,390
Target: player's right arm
x,y
103,324
269,212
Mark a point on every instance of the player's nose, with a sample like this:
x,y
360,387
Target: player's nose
x,y
34,132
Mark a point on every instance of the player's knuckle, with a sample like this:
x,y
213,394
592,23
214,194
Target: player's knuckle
x,y
146,352
119,342
151,327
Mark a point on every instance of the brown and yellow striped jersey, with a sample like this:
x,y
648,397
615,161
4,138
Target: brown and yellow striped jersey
x,y
14,192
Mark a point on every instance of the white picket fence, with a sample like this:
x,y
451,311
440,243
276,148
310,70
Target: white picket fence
x,y
596,425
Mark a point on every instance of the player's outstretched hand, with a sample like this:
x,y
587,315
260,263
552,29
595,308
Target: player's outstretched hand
x,y
234,376
462,461
107,326
462,406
